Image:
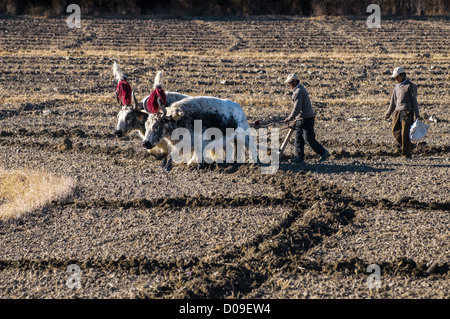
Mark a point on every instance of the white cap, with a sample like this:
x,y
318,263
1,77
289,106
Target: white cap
x,y
291,77
397,71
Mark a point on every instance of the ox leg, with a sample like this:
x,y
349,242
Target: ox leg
x,y
163,162
251,146
199,160
197,156
169,164
230,149
195,159
192,160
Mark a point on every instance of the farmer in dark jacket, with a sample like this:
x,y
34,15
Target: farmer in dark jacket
x,y
303,116
404,106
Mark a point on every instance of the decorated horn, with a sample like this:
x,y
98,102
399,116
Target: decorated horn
x,y
134,100
137,105
162,107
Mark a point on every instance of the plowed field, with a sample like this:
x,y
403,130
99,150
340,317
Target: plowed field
x,y
226,231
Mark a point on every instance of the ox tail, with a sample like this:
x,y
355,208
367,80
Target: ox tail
x,y
117,72
158,80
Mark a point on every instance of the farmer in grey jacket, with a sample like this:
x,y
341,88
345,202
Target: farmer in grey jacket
x,y
304,116
404,106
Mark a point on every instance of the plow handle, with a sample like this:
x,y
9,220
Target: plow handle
x,y
286,140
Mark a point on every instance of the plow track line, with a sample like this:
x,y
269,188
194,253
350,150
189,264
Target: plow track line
x,y
179,202
288,200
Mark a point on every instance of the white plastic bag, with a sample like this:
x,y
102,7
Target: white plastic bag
x,y
418,130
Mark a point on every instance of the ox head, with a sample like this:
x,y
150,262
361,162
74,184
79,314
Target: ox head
x,y
159,126
131,118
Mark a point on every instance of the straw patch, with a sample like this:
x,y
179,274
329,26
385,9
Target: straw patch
x,y
24,191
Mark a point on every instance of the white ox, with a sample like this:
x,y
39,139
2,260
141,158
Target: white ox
x,y
197,119
133,118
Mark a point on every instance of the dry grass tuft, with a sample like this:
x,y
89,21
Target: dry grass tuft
x,y
24,191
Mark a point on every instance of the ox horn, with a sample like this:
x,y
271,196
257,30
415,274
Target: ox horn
x,y
134,100
162,107
137,105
